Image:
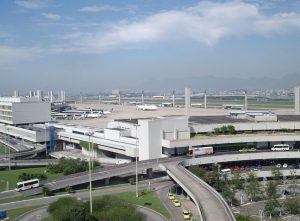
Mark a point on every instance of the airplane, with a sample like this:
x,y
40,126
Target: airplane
x,y
146,107
107,111
93,115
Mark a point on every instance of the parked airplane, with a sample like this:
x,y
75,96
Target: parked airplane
x,y
146,107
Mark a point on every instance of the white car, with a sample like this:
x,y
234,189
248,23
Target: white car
x,y
285,165
278,165
121,162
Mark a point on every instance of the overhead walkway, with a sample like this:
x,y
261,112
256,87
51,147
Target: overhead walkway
x,y
27,163
21,148
211,206
236,156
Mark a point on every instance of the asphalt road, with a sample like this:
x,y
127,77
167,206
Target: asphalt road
x,y
99,192
212,207
34,215
174,211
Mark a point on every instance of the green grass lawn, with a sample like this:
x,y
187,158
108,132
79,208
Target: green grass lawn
x,y
149,200
14,213
12,176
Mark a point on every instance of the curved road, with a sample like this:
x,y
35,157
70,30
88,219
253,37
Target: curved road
x,y
41,213
212,207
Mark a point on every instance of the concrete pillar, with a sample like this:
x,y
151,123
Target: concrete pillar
x,y
175,134
149,173
119,98
106,181
16,93
31,94
64,145
39,95
51,96
173,98
187,101
81,99
246,100
142,97
296,97
205,104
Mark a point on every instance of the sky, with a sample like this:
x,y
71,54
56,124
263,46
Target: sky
x,y
93,46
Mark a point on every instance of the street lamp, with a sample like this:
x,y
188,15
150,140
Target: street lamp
x,y
7,131
90,133
136,161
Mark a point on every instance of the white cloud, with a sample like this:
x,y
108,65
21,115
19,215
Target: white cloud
x,y
31,4
51,16
98,8
11,55
206,23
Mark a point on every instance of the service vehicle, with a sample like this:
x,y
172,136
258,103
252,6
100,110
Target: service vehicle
x,y
280,147
199,151
28,184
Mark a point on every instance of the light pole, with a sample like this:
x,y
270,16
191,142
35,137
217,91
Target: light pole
x,y
136,162
7,131
45,140
90,172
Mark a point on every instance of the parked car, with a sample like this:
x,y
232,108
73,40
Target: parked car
x,y
247,168
242,168
253,168
171,196
278,165
186,215
176,203
259,167
285,165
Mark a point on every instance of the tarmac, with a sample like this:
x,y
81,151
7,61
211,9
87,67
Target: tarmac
x,y
131,112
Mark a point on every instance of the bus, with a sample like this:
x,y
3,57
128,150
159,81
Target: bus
x,y
198,151
279,147
28,184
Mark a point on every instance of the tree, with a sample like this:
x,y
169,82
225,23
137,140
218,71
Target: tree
x,y
276,175
237,181
271,190
292,205
252,188
228,193
69,189
240,217
293,184
271,206
46,191
59,208
198,171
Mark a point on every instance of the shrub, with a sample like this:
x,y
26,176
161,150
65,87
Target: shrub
x,y
30,176
131,181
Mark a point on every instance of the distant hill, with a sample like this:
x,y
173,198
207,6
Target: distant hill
x,y
220,83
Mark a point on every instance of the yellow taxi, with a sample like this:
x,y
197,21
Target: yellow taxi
x,y
186,215
171,196
176,203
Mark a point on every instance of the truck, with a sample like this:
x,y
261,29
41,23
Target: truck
x,y
3,214
199,151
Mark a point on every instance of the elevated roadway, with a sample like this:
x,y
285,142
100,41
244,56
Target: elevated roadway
x,y
231,139
27,163
211,205
236,156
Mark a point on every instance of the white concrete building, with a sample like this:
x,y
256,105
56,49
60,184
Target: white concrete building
x,y
24,110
